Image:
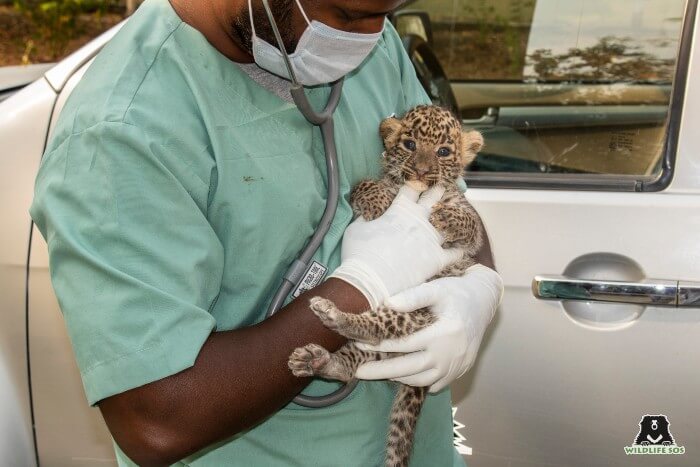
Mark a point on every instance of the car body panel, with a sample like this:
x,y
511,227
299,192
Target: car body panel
x,y
550,391
687,169
22,75
68,431
24,120
13,78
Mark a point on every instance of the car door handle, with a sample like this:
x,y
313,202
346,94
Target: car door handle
x,y
653,292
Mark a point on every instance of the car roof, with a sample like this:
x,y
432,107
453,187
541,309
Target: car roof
x,y
12,77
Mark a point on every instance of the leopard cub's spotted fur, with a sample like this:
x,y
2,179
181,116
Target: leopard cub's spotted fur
x,y
426,147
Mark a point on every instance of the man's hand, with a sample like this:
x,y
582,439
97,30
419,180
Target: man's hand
x,y
445,350
398,250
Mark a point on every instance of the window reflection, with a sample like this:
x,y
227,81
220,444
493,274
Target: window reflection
x,y
560,86
553,40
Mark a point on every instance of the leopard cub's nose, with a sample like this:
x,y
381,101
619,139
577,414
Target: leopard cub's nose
x,y
422,170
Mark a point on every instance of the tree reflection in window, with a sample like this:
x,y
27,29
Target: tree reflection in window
x,y
611,59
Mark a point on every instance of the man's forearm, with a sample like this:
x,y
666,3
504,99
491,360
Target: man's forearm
x,y
239,378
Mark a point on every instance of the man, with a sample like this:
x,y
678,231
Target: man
x,y
180,183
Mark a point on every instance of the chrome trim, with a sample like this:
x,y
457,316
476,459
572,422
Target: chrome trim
x,y
675,111
689,294
654,292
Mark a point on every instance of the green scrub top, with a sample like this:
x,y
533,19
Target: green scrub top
x,y
174,194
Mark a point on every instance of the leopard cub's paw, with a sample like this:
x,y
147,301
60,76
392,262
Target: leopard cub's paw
x,y
369,209
371,212
441,219
308,360
326,310
369,199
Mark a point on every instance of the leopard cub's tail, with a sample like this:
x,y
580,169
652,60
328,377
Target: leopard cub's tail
x,y
402,426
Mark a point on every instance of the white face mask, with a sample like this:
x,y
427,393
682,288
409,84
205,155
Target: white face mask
x,y
323,54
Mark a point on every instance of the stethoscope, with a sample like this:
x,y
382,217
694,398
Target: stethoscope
x,y
296,271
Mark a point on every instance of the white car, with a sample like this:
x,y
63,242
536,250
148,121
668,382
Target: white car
x,y
589,186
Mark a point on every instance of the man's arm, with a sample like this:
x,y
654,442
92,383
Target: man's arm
x,y
135,295
239,378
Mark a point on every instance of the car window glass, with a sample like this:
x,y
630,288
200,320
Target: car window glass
x,y
581,86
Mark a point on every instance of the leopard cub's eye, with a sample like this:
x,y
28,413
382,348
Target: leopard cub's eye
x,y
409,144
444,151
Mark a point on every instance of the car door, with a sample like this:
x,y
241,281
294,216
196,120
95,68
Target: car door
x,y
20,141
67,431
589,186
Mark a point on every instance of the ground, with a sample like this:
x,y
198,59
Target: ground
x,y
21,42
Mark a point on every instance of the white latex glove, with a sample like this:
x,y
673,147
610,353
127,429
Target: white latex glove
x,y
445,350
398,250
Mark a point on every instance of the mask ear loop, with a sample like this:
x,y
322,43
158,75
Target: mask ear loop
x,y
280,44
303,13
250,14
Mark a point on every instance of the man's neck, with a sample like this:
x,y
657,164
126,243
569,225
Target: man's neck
x,y
212,18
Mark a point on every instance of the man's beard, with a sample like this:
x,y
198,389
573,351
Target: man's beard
x,y
282,11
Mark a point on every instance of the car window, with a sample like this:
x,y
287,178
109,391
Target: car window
x,y
575,87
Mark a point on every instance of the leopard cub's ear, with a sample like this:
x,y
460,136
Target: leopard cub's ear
x,y
390,129
471,143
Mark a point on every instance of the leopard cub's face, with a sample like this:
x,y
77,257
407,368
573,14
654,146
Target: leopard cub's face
x,y
427,146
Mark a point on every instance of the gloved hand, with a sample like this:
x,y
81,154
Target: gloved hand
x,y
445,350
397,250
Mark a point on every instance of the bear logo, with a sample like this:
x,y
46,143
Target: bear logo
x,y
653,430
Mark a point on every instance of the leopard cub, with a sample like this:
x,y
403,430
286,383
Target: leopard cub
x,y
426,147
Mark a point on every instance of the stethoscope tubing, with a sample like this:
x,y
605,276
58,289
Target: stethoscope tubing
x,y
296,271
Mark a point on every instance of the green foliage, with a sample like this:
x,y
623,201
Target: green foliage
x,y
56,22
